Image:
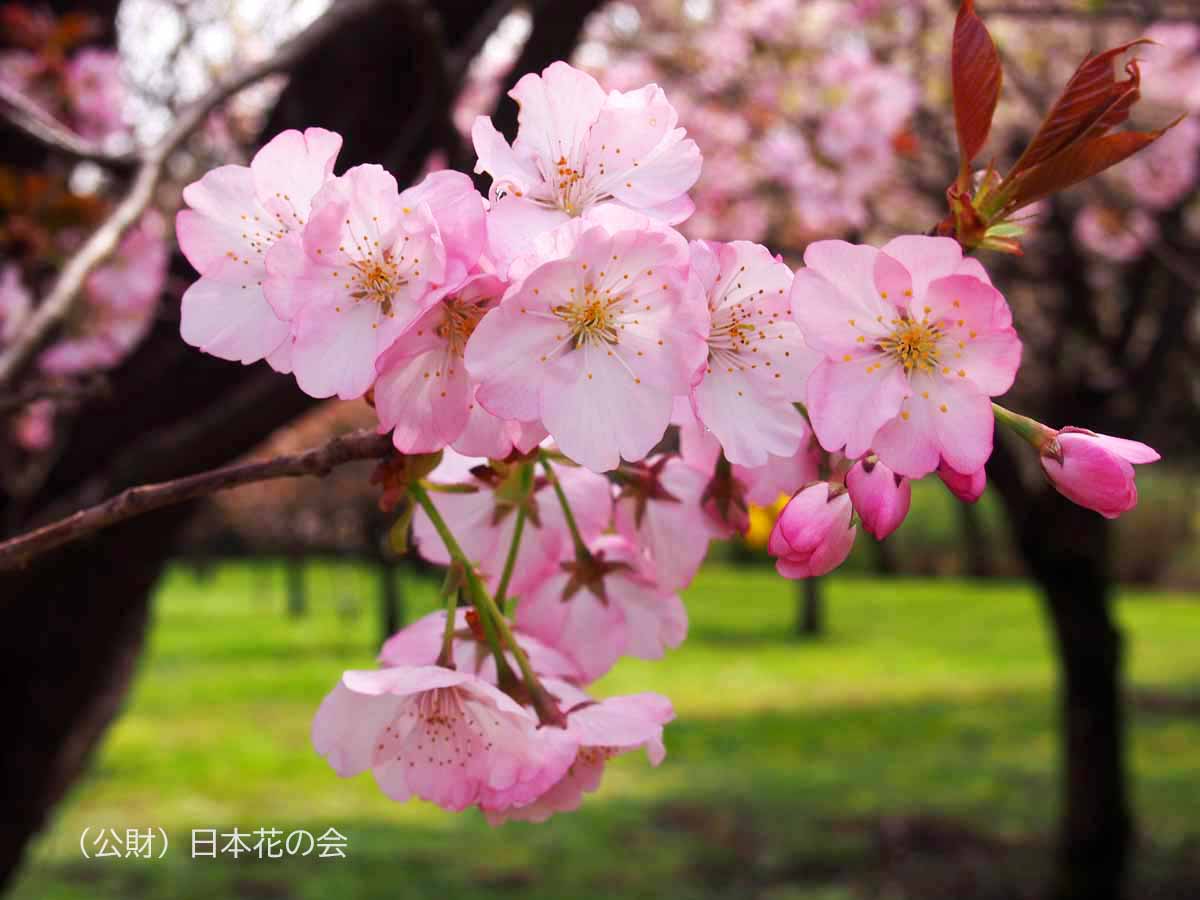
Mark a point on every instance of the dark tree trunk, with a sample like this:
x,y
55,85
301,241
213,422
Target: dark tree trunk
x,y
297,598
810,608
1067,550
979,557
72,625
391,599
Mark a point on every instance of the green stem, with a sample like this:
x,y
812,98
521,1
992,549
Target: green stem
x,y
515,545
493,620
1034,432
581,551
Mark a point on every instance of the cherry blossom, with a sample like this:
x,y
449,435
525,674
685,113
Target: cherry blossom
x,y
880,496
602,729
758,364
595,344
658,510
420,643
813,534
118,305
368,264
482,522
422,392
577,147
444,736
235,215
967,487
96,93
604,608
915,344
1095,470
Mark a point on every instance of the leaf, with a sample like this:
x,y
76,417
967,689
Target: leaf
x,y
1077,163
1092,101
975,76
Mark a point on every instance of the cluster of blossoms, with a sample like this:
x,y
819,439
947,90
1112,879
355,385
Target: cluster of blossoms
x,y
530,352
44,219
803,122
81,86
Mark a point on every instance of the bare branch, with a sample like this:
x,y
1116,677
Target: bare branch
x,y
29,118
104,240
353,447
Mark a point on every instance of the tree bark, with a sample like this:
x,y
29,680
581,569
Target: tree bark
x,y
391,599
1066,549
810,608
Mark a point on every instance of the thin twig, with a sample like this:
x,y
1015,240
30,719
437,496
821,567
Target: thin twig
x,y
30,119
358,445
104,240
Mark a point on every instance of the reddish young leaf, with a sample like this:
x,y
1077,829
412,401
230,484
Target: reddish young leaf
x,y
975,77
1078,162
1092,101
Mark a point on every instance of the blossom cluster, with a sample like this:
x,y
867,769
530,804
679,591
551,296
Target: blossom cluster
x,y
581,400
82,87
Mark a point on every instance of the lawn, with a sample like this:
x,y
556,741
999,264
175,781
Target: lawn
x,y
909,754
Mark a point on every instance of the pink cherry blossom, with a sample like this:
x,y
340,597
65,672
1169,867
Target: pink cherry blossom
x,y
118,306
659,510
1095,470
33,426
813,534
880,496
368,264
602,729
420,643
422,391
1119,235
577,148
482,522
235,215
780,475
615,609
96,93
967,487
758,364
595,344
915,344
444,736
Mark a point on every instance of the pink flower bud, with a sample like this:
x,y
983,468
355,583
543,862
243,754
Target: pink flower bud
x,y
966,487
813,534
1094,470
880,496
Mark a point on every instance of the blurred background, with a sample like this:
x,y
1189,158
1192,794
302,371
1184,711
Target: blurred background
x,y
999,701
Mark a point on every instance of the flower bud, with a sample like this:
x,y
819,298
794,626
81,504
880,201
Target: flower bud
x,y
880,496
813,534
966,487
1095,470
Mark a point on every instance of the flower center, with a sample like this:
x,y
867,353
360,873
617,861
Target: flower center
x,y
377,280
459,318
592,320
914,345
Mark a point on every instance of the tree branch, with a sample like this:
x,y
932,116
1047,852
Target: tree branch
x,y
353,447
35,123
104,240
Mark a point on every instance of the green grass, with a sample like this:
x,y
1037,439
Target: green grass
x,y
931,698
